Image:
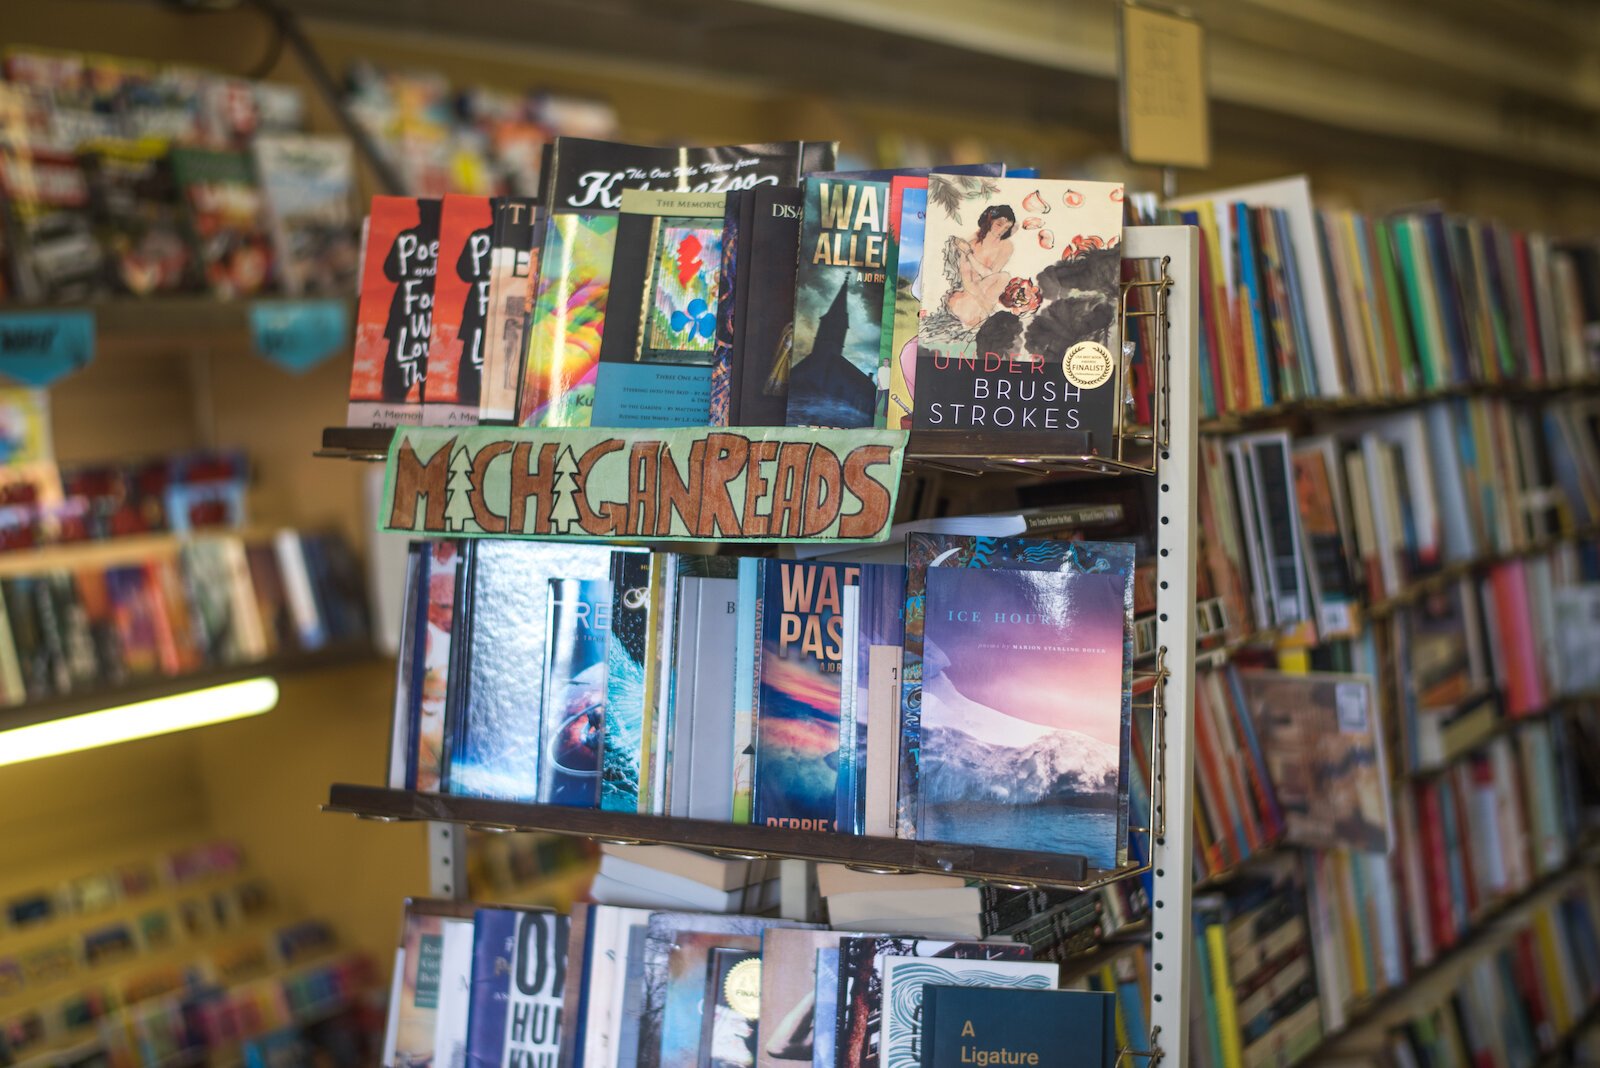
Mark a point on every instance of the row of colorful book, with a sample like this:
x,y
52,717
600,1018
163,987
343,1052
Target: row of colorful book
x,y
747,285
211,601
641,987
1305,304
919,700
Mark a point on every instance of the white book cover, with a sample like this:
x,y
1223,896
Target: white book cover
x,y
710,782
900,1045
455,995
610,890
297,590
883,738
681,700
607,980
391,1024
887,905
533,1011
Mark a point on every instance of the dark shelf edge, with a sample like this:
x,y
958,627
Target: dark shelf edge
x,y
75,704
1003,866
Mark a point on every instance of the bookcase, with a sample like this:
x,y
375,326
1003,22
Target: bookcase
x,y
1165,452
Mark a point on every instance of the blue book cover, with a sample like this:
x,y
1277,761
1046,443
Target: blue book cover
x,y
967,1025
797,723
494,939
578,624
495,709
823,1047
1251,281
1016,693
624,705
882,623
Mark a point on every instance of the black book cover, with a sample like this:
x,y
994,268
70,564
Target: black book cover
x,y
585,175
774,247
53,253
735,207
138,218
32,656
513,265
741,309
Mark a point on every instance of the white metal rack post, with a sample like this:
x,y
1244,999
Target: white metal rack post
x,y
1172,790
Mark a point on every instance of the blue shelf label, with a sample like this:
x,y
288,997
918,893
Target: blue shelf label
x,y
39,347
299,334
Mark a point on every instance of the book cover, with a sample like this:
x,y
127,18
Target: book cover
x,y
773,244
624,699
732,1011
824,1050
577,627
859,1017
308,181
902,304
686,1002
50,243
495,708
710,705
800,674
1019,306
838,319
226,219
494,942
137,218
453,389
659,343
513,266
746,698
416,1010
970,734
395,314
533,1005
569,311
1324,752
879,640
904,980
455,993
788,995
591,175
441,569
730,271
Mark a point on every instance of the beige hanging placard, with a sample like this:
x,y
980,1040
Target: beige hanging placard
x,y
1165,113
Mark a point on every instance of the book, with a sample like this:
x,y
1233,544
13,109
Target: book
x,y
441,567
824,1049
799,678
710,704
50,244
513,265
974,602
789,1006
902,304
533,1007
880,636
494,942
226,220
657,350
307,182
965,1025
395,313
839,290
1026,271
732,1009
904,982
625,665
573,705
455,993
569,308
731,271
137,219
413,1016
453,388
773,247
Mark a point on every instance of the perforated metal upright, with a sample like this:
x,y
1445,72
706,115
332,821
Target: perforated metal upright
x,y
1172,790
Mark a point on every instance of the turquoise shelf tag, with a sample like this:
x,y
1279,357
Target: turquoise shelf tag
x,y
299,334
39,347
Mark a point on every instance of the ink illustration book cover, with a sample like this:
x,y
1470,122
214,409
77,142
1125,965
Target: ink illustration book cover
x,y
905,977
1020,292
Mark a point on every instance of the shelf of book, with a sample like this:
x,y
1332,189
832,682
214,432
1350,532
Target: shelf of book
x,y
889,855
1435,581
77,704
1562,1054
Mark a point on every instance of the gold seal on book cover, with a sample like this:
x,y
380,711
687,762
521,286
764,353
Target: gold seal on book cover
x,y
1087,364
742,988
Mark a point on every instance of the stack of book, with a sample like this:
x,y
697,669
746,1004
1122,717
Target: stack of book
x,y
665,877
214,600
859,699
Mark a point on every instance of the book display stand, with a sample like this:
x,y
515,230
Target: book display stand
x,y
1165,451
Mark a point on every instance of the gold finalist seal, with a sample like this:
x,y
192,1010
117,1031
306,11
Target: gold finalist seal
x,y
1087,364
742,988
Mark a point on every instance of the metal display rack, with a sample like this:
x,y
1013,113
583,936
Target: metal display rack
x,y
1165,451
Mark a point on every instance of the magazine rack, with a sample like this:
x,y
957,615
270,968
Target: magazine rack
x,y
1166,451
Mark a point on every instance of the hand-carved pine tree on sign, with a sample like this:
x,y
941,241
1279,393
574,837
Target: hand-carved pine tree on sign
x,y
564,510
458,505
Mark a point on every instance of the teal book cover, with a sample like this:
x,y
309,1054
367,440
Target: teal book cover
x,y
964,1026
624,711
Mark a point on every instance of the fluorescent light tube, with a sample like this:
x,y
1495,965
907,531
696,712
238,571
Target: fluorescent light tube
x,y
143,719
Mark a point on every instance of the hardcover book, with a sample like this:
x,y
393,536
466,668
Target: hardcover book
x,y
624,701
394,318
1020,290
1324,751
495,708
308,181
904,979
657,350
968,1025
137,218
838,317
767,331
538,971
732,1010
576,629
513,266
454,383
987,762
227,220
799,665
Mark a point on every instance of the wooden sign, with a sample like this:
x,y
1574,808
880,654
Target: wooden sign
x,y
1165,115
697,484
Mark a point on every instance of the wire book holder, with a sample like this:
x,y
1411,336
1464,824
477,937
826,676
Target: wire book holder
x,y
1153,1055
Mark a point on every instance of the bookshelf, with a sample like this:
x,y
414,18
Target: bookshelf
x,y
1165,452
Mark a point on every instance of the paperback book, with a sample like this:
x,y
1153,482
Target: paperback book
x,y
902,304
569,310
904,980
513,265
574,709
454,385
767,326
137,219
625,688
1020,290
227,220
967,1025
308,182
538,974
394,319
